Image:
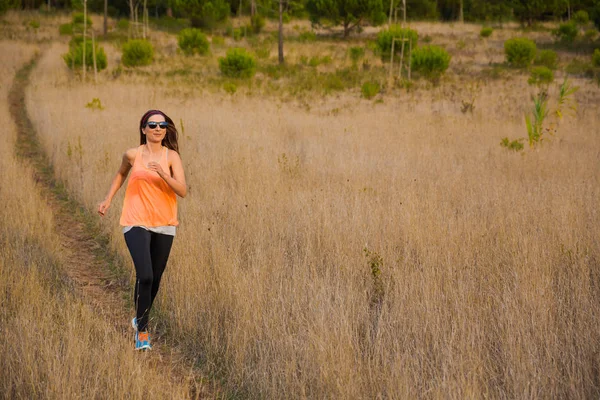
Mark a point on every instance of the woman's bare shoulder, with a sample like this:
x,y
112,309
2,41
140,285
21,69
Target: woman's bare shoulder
x,y
173,155
130,154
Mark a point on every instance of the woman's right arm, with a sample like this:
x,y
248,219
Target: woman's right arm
x,y
118,180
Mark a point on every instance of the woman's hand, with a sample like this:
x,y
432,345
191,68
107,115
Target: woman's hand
x,y
103,207
154,166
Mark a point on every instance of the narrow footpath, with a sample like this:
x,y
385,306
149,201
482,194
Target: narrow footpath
x,y
97,274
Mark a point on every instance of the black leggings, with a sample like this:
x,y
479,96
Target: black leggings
x,y
150,252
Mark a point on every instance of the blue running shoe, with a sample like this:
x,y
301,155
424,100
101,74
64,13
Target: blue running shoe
x,y
134,323
142,341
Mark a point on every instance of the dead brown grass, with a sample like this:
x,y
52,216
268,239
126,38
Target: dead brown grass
x,y
489,281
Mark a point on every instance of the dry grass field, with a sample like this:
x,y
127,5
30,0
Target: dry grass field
x,y
333,247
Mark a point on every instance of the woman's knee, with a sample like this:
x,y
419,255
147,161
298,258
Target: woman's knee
x,y
145,278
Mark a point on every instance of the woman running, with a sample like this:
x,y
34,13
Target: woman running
x,y
149,216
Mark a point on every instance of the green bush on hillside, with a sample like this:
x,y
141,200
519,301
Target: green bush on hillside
x,y
567,32
192,41
370,89
520,52
74,58
581,17
547,58
596,58
356,54
257,23
237,64
65,29
78,19
307,36
123,24
541,76
137,52
430,61
590,34
486,31
385,38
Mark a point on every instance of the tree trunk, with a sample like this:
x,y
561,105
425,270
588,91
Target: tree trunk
x,y
105,26
145,18
252,8
170,12
391,12
346,29
280,46
130,20
461,16
94,58
84,32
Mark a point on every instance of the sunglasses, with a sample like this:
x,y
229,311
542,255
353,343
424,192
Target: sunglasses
x,y
153,125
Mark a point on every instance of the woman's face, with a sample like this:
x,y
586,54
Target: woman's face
x,y
153,131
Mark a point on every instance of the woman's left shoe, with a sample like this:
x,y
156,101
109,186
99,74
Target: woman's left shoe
x,y
142,341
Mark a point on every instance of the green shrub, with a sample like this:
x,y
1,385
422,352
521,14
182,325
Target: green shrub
x,y
370,89
567,32
218,41
591,34
229,29
541,76
263,52
192,41
515,145
257,22
74,58
237,34
580,67
307,36
237,64
123,24
385,37
519,52
95,104
230,87
316,61
76,40
332,83
137,52
171,24
486,31
34,23
6,5
65,29
356,54
78,19
430,61
213,12
596,58
581,17
547,58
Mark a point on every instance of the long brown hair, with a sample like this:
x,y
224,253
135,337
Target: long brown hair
x,y
170,139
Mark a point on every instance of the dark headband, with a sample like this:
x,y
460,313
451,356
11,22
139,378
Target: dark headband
x,y
148,114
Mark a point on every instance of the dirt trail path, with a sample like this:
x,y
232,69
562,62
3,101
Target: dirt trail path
x,y
85,255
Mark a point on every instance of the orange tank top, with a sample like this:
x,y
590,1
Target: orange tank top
x,y
149,200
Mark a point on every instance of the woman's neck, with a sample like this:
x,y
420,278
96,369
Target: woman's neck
x,y
154,147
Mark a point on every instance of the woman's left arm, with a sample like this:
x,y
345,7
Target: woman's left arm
x,y
177,181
